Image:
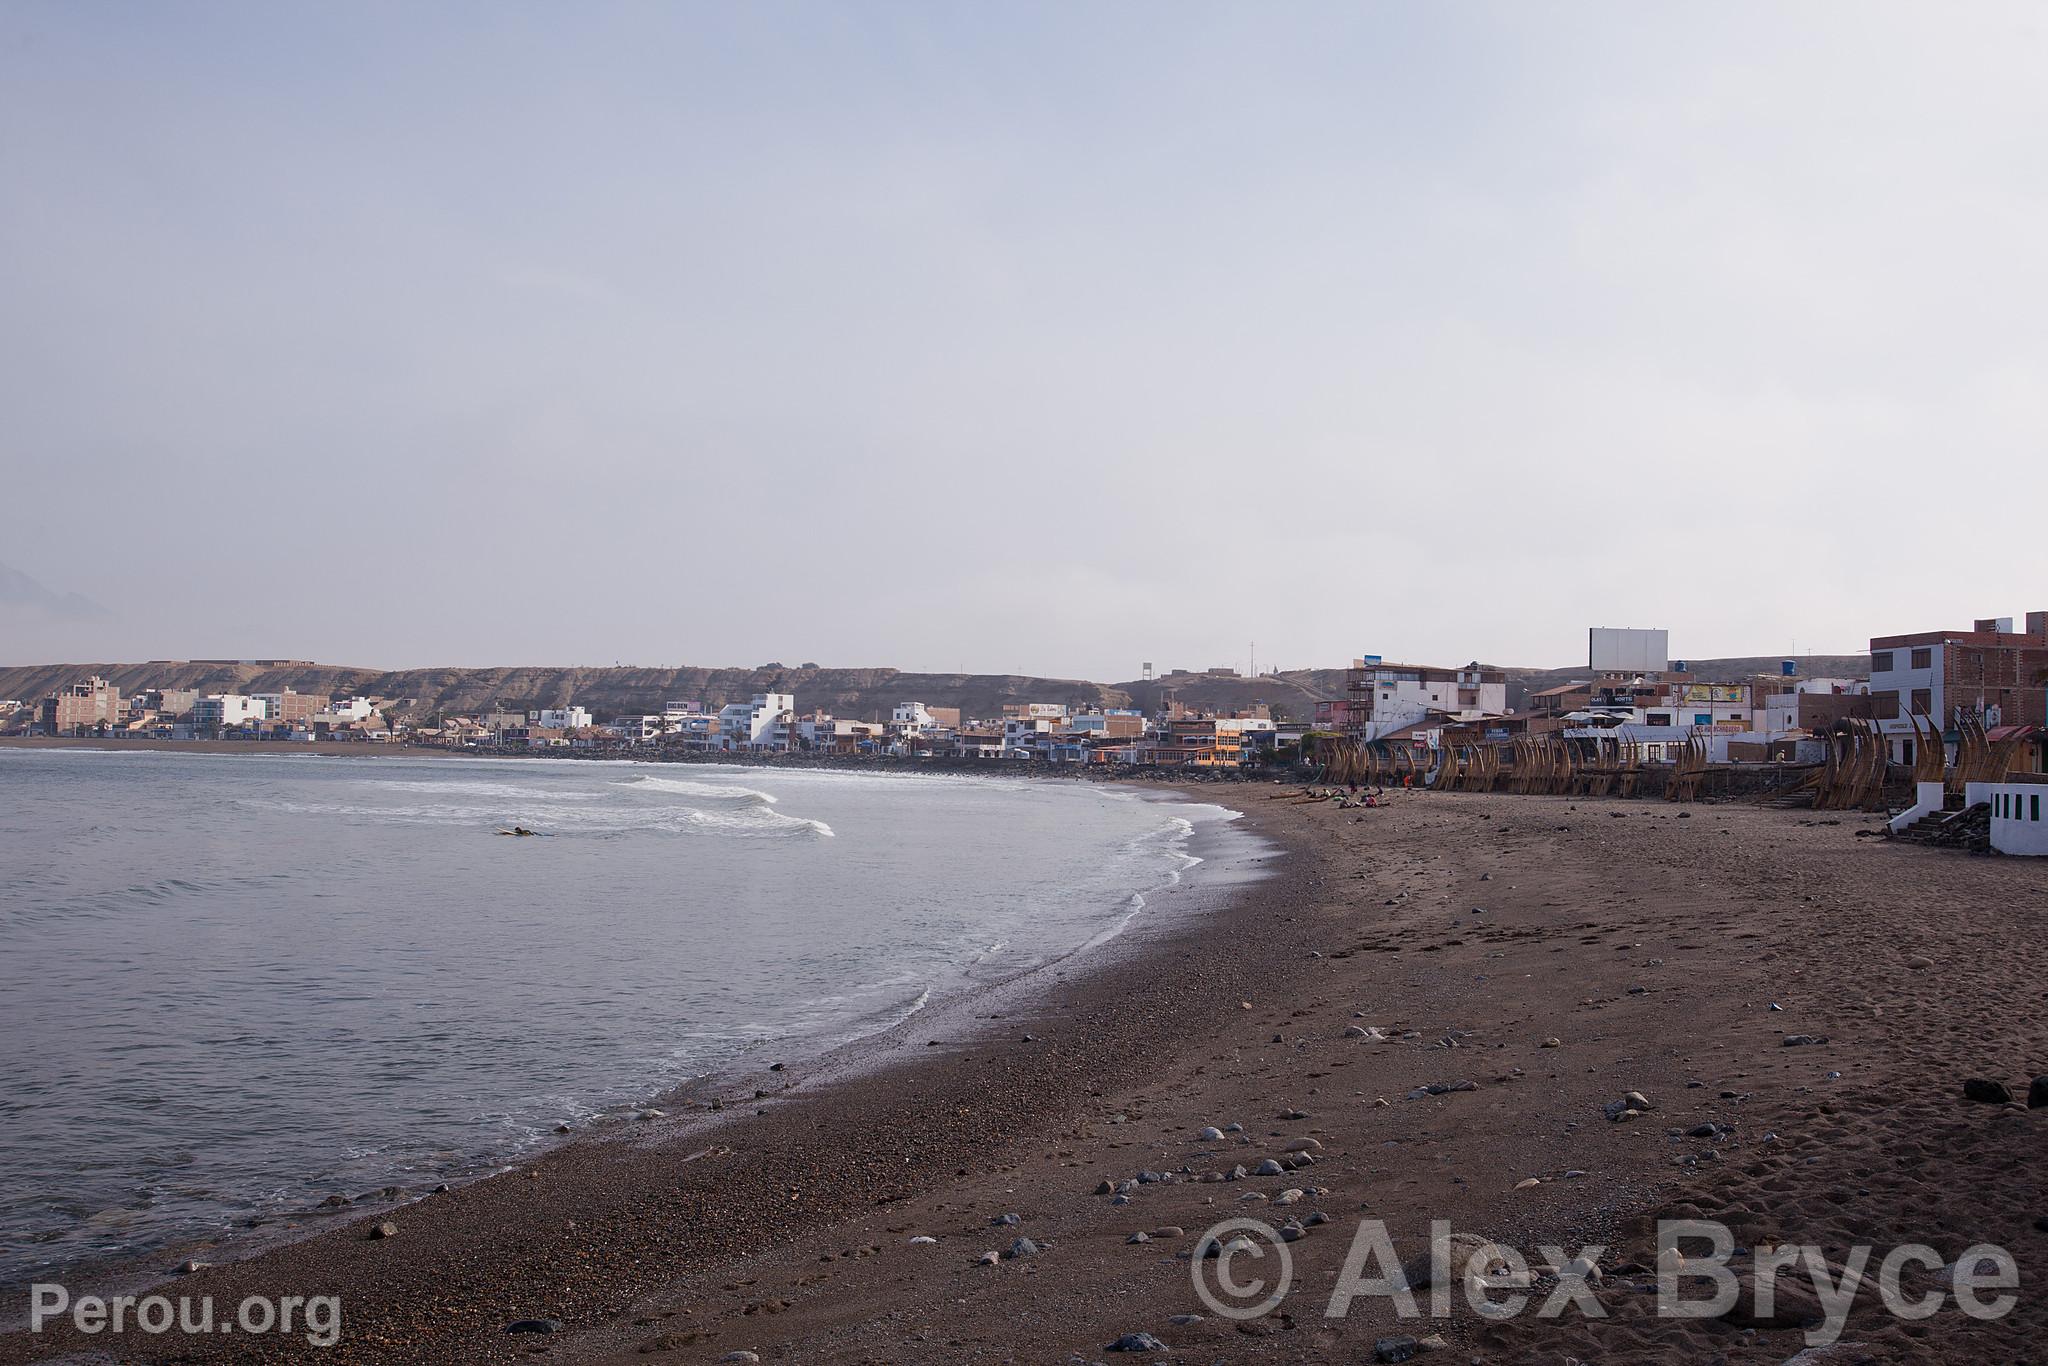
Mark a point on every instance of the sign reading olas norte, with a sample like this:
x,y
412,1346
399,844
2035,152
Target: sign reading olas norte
x,y
1714,692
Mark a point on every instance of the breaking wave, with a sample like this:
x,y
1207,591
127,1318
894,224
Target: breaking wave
x,y
683,787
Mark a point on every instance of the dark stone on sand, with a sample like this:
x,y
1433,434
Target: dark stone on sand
x,y
1802,1040
1401,1348
1005,1221
534,1326
1136,1342
334,1202
1988,1092
387,1229
2037,1093
1022,1247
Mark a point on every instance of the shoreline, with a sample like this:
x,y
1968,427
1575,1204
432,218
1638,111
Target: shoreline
x,y
1552,952
1223,858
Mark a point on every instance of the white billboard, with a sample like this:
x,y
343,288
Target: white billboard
x,y
1625,650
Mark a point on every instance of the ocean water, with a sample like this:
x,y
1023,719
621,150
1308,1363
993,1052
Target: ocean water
x,y
232,985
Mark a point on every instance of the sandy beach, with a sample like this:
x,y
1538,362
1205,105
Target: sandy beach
x,y
1555,954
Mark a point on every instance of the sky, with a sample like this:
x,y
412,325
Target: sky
x,y
1040,338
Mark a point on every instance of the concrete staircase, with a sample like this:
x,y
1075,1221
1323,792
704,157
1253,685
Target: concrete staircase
x,y
1967,828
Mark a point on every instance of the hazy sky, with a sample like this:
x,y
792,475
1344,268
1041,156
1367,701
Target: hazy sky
x,y
1044,338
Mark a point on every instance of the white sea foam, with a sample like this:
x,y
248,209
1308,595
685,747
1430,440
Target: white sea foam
x,y
683,787
509,791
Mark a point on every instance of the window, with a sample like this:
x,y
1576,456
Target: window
x,y
1923,701
1923,658
2034,801
1880,661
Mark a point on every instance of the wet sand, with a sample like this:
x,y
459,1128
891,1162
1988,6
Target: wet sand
x,y
1649,941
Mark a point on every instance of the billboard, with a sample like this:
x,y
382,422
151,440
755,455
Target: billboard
x,y
1625,650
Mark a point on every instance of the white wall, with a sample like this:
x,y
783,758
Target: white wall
x,y
2019,817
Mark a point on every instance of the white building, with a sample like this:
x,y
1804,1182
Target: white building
x,y
222,711
2016,816
764,722
561,718
1026,736
355,709
911,718
1390,697
641,729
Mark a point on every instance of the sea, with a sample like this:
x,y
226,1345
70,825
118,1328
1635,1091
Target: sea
x,y
233,985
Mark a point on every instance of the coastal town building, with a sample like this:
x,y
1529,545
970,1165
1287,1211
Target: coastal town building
x,y
764,722
80,707
1991,672
1382,699
288,706
227,711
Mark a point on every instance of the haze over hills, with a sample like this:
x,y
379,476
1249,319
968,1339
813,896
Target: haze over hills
x,y
852,693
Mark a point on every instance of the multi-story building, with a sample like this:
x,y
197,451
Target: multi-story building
x,y
916,718
1387,697
226,711
290,707
80,707
1990,671
766,721
560,718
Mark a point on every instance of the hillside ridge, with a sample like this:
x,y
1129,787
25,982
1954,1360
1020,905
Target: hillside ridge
x,y
855,693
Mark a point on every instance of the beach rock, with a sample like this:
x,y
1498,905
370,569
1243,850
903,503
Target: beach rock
x,y
1105,1188
987,1259
1291,1196
1583,1268
387,1229
2037,1093
188,1268
1637,1100
1303,1145
1136,1342
1211,1134
1294,1115
334,1202
534,1326
1553,1043
1988,1092
1119,1199
1528,1183
1269,1168
1233,1128
1151,1178
1355,1032
1291,1232
741,1358
1315,1218
1021,1248
924,1240
1138,1238
1803,1040
1463,1247
1185,1320
563,1128
1918,964
1398,1348
1006,1221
